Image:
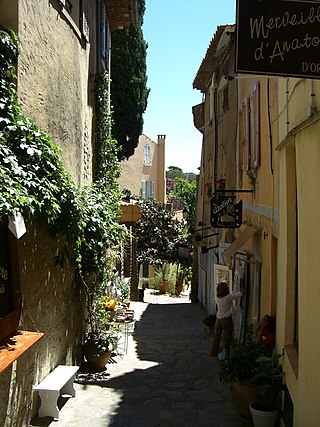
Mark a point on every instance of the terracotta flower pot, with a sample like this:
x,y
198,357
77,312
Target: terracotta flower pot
x,y
242,397
163,287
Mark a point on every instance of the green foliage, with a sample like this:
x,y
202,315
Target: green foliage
x,y
158,234
269,380
141,10
34,180
186,192
165,274
128,87
176,172
124,287
242,367
101,331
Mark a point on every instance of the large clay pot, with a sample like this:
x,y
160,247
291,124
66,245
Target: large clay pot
x,y
94,356
263,418
242,396
163,287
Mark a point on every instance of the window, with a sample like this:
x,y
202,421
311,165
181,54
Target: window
x,y
147,189
104,38
76,13
250,131
225,99
147,154
292,311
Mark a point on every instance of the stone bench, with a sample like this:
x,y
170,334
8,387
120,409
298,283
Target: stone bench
x,y
59,381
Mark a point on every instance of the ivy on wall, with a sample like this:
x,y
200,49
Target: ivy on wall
x,y
34,180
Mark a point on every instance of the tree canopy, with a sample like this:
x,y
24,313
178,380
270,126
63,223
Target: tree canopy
x,y
158,234
128,87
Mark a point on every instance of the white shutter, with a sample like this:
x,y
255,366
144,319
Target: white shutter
x,y
84,19
144,189
147,154
152,189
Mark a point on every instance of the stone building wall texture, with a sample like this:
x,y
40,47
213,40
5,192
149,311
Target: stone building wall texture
x,y
55,87
53,83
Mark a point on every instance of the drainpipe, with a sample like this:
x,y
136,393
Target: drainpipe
x,y
215,167
287,104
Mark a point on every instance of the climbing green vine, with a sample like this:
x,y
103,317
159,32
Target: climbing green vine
x,y
34,180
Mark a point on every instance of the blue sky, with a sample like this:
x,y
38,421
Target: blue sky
x,y
178,33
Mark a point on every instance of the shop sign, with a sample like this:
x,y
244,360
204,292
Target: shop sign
x,y
225,213
278,37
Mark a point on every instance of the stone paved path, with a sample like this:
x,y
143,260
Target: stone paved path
x,y
166,379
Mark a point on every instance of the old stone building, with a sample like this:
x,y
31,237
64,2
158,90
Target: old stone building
x,y
216,118
144,172
63,46
276,176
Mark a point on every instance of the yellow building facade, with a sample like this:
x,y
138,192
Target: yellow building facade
x,y
276,175
298,314
144,172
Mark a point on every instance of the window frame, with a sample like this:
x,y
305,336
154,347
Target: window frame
x,y
147,154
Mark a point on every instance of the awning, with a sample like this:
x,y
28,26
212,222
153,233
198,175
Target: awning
x,y
240,241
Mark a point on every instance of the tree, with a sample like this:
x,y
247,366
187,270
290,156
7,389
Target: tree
x,y
174,172
158,234
186,192
128,87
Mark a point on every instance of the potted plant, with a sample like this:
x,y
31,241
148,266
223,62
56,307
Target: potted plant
x,y
96,347
241,370
163,278
181,275
265,407
124,288
113,335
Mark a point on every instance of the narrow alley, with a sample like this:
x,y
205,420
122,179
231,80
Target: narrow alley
x,y
166,377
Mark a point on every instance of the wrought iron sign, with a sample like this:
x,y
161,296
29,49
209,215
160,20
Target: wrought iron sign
x,y
278,37
225,213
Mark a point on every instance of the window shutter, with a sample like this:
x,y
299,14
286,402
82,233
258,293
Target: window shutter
x,y
152,189
144,190
84,19
246,133
256,125
147,153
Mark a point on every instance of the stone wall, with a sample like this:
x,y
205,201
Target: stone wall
x,y
51,303
55,81
56,70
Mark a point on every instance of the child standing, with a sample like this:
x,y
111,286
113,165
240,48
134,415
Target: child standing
x,y
224,321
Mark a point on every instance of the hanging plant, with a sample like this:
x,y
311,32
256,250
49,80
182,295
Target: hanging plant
x,y
34,180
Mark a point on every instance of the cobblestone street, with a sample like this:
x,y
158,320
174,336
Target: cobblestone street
x,y
166,378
